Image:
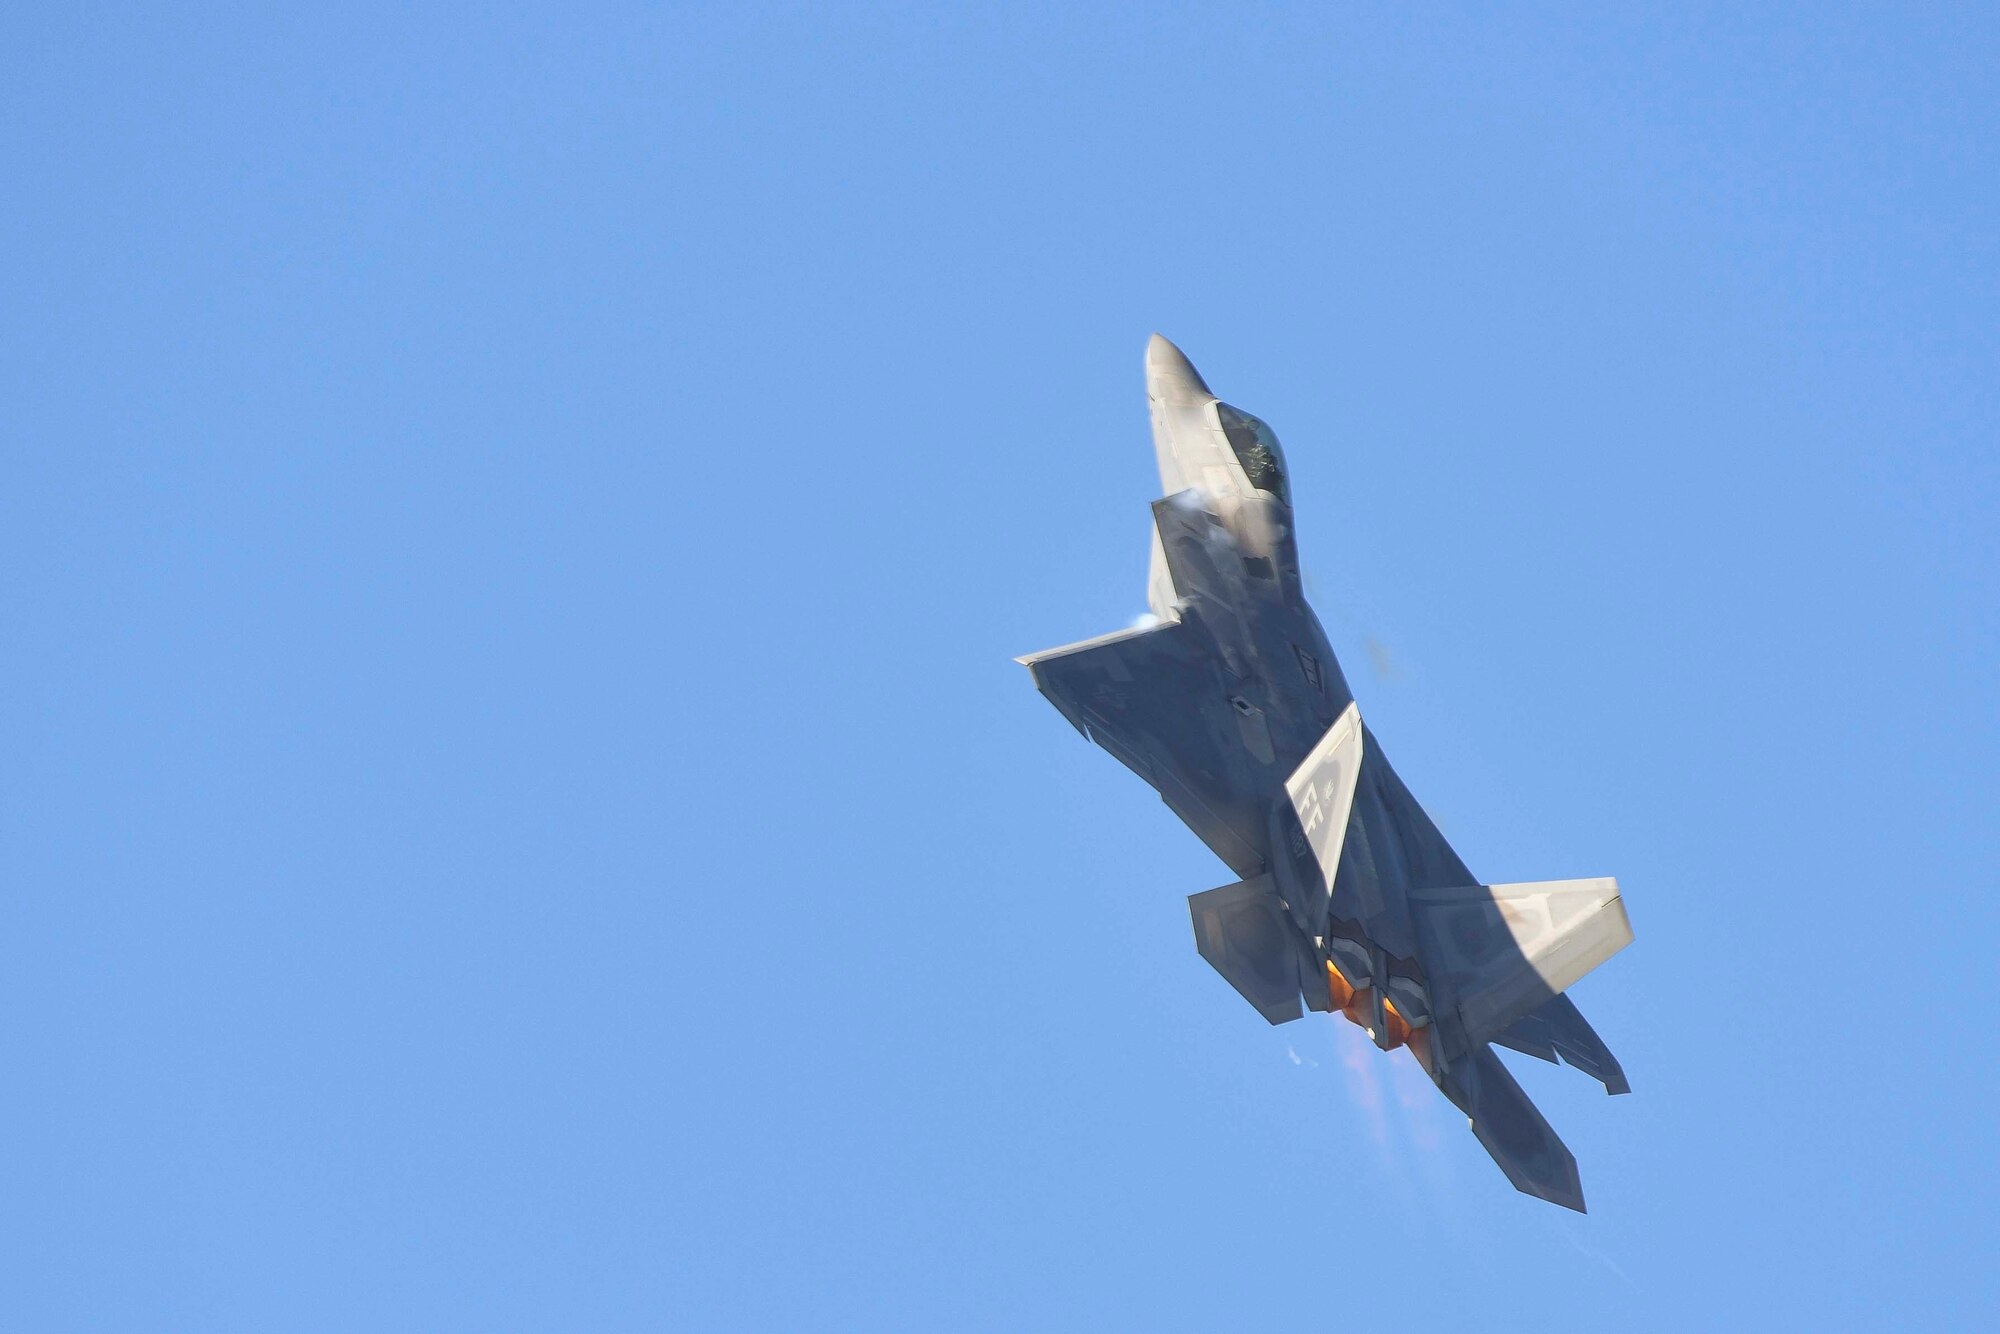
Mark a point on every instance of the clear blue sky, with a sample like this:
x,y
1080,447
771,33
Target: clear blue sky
x,y
519,814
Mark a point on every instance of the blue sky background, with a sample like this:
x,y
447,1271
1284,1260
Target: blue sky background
x,y
520,814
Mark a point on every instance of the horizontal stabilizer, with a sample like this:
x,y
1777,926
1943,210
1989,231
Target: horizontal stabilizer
x,y
1245,933
1511,1128
1504,951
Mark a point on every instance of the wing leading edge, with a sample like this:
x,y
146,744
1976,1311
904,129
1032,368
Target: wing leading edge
x,y
1137,694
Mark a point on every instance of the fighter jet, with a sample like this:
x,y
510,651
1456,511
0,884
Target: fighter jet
x,y
1228,700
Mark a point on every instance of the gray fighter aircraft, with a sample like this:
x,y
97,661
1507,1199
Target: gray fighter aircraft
x,y
1231,704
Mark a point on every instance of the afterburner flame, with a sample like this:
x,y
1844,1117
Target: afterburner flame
x,y
1358,1004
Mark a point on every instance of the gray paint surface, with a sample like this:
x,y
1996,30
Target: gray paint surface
x,y
1233,707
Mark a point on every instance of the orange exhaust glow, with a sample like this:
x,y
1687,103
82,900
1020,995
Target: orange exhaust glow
x,y
1399,1027
1337,989
1359,1007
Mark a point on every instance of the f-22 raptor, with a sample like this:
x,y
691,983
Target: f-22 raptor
x,y
1231,704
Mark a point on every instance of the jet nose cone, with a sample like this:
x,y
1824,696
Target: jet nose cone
x,y
1171,376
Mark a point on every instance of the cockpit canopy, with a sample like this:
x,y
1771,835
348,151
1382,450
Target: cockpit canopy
x,y
1256,447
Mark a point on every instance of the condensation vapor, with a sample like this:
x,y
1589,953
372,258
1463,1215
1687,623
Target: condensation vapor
x,y
1360,1060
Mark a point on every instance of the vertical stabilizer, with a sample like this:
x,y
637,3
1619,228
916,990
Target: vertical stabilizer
x,y
1504,951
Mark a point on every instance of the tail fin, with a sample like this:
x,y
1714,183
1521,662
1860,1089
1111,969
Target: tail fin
x,y
1322,789
1506,950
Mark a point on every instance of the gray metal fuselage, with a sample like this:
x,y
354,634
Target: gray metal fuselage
x,y
1280,687
1234,577
1232,705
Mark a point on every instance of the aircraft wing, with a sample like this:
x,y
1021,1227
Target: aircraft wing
x,y
1140,695
1558,1028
